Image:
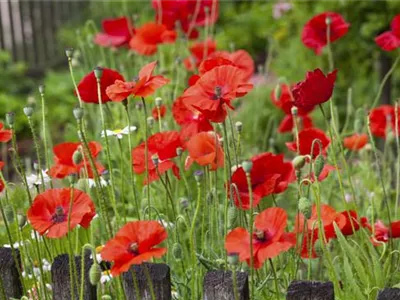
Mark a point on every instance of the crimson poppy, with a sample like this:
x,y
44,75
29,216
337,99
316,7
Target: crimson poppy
x,y
116,32
5,134
199,51
285,102
87,88
155,113
215,90
204,149
145,85
306,138
163,145
382,232
134,244
269,174
314,35
355,141
64,164
149,36
314,90
269,238
50,211
352,222
390,40
382,119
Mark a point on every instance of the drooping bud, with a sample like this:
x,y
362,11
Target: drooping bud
x,y
28,111
94,274
319,164
177,251
69,52
158,102
78,113
233,259
247,166
239,126
10,118
198,175
98,73
299,162
77,157
305,207
9,213
232,216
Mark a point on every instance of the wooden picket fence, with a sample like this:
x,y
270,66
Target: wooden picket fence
x,y
217,285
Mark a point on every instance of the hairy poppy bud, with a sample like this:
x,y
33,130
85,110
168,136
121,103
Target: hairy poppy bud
x,y
28,111
9,213
305,207
277,92
98,73
177,251
319,164
239,126
247,166
69,52
94,274
232,216
10,118
198,175
78,113
233,259
158,101
299,162
21,220
73,178
77,157
41,89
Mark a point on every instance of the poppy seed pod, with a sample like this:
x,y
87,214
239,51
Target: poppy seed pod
x,y
247,166
78,113
95,274
299,162
77,157
305,207
41,89
239,126
198,175
233,259
319,164
177,251
158,101
69,52
10,118
98,73
28,111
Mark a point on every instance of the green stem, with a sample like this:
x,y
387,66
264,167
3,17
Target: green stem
x,y
275,279
192,238
146,154
248,178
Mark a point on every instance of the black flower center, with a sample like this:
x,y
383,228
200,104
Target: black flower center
x,y
217,93
59,216
134,248
262,236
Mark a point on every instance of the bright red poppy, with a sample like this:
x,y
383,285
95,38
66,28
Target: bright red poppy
x,y
270,174
269,238
204,148
355,141
352,222
199,51
382,232
134,244
5,134
191,121
145,85
64,164
50,211
149,36
116,32
215,90
163,145
88,86
382,119
314,35
156,114
390,40
306,138
285,102
314,90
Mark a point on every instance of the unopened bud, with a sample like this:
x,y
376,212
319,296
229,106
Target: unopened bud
x,y
72,178
106,297
78,113
69,52
150,121
98,72
232,216
299,162
77,157
94,274
239,126
247,166
198,175
28,111
177,251
158,102
41,89
305,207
319,164
10,119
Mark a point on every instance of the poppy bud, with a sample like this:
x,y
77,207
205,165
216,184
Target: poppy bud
x,y
98,73
305,207
179,151
155,159
299,162
184,203
28,111
247,166
232,216
239,126
78,113
21,220
10,118
150,121
69,52
73,178
158,102
9,213
328,20
319,165
198,175
294,110
77,157
41,89
277,91
94,274
106,297
233,259
177,251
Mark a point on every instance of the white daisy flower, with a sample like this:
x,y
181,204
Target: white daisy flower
x,y
118,132
92,183
105,277
35,179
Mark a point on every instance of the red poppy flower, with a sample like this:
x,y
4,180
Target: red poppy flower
x,y
352,222
191,122
117,32
88,86
314,35
306,138
326,170
269,238
269,174
382,232
2,185
314,90
355,142
5,134
199,51
383,118
149,36
285,101
390,40
204,149
164,145
287,124
163,110
49,212
215,90
134,244
64,164
145,85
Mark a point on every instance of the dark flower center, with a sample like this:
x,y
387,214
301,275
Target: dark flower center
x,y
217,93
134,249
59,216
135,79
262,236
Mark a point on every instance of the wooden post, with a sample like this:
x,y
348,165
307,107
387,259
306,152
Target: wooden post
x,y
61,278
160,277
218,285
9,275
310,290
389,294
